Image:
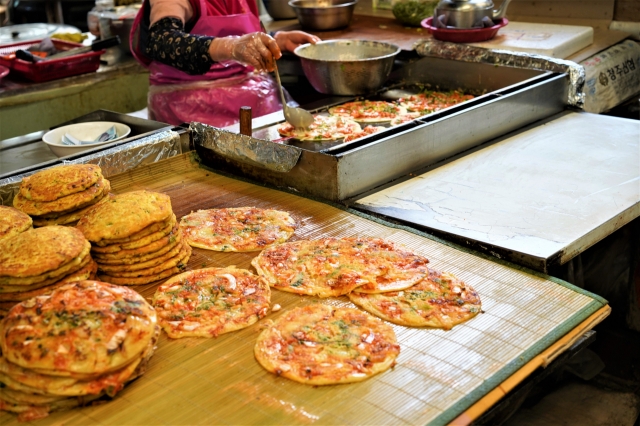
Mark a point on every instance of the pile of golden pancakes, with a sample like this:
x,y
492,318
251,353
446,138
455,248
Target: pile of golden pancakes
x,y
76,344
39,260
62,194
135,238
13,222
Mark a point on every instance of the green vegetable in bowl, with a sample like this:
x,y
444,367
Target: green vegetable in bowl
x,y
412,12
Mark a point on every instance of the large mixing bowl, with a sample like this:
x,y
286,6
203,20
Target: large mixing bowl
x,y
323,14
279,9
347,67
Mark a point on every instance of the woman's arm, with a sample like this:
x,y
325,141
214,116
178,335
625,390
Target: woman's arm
x,y
170,44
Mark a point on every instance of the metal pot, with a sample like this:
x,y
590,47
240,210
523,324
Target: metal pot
x,y
468,13
347,67
323,14
279,9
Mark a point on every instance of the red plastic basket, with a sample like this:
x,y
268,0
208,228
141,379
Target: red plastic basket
x,y
51,69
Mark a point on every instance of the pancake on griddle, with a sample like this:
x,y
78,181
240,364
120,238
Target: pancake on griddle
x,y
60,181
39,251
63,205
155,227
137,264
211,301
124,215
13,222
141,254
141,242
41,259
61,195
440,301
68,218
87,272
72,346
135,238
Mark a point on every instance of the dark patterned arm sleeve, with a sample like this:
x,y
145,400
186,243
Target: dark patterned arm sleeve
x,y
171,45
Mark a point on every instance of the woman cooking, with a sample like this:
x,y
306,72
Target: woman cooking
x,y
207,58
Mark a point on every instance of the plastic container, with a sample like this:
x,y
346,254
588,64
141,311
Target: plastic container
x,y
464,35
413,12
53,69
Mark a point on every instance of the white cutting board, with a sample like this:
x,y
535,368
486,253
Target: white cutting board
x,y
557,41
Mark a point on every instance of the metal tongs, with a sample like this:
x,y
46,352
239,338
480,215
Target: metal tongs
x,y
294,115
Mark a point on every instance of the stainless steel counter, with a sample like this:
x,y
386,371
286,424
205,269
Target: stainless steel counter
x,y
537,197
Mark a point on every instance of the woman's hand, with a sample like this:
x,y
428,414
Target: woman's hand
x,y
255,49
289,40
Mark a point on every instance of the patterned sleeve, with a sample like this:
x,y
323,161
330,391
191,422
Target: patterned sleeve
x,y
171,45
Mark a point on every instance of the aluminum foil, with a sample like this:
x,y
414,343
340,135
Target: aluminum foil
x,y
466,53
245,149
119,159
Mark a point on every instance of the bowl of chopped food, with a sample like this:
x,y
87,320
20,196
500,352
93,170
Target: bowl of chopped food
x,y
323,14
75,138
347,67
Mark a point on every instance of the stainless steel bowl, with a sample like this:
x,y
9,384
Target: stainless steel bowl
x,y
347,67
279,9
323,14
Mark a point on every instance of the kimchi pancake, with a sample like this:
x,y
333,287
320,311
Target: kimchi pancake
x,y
60,181
42,384
399,268
87,272
13,222
57,274
151,229
40,250
133,266
440,301
124,215
142,242
367,111
84,383
404,118
180,258
368,130
323,128
431,101
325,345
91,267
141,254
211,301
65,204
87,327
68,218
238,229
337,266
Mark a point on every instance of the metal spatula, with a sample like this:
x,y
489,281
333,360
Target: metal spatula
x,y
295,116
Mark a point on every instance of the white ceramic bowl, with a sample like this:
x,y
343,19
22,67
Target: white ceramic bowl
x,y
82,131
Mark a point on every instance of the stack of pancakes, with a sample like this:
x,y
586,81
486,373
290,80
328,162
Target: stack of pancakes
x,y
13,222
61,195
135,238
65,349
39,260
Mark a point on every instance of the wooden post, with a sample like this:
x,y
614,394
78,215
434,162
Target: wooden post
x,y
245,121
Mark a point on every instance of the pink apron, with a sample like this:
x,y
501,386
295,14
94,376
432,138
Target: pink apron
x,y
215,97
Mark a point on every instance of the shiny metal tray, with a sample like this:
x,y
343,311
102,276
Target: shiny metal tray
x,y
23,154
